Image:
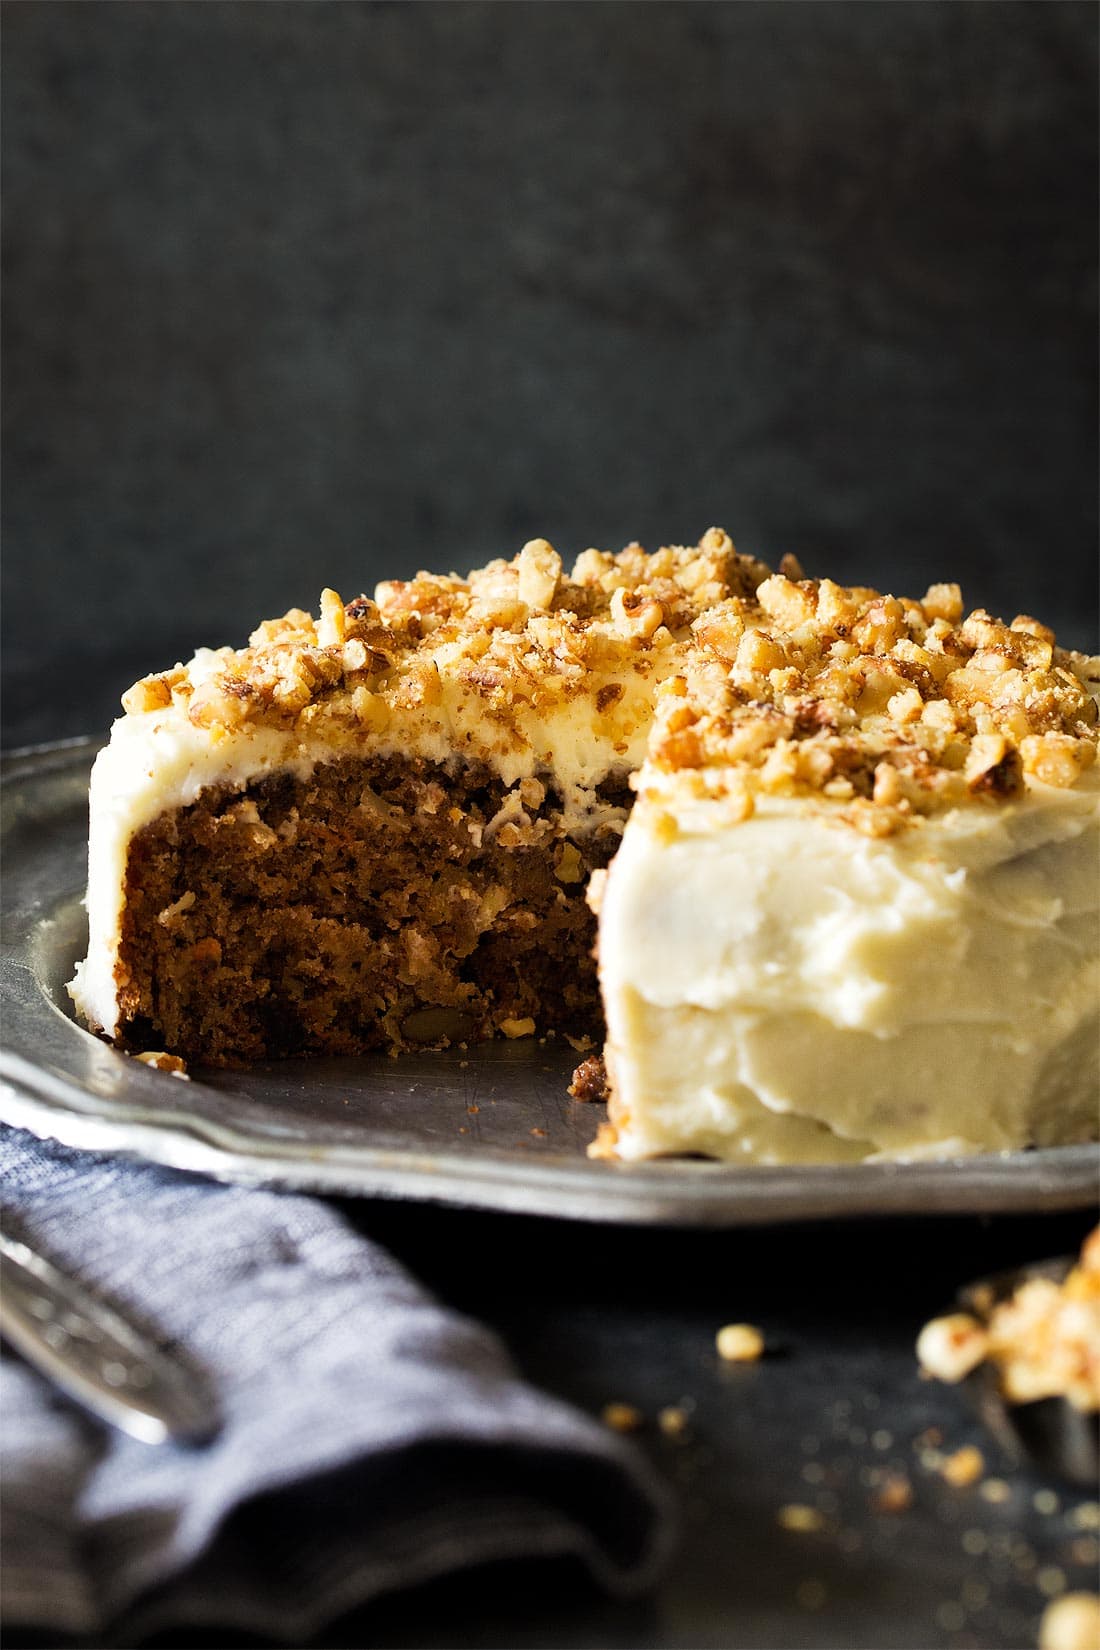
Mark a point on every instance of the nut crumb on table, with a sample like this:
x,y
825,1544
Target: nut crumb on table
x,y
798,1517
964,1467
622,1417
1043,1339
673,1421
158,1060
894,1495
739,1343
1071,1622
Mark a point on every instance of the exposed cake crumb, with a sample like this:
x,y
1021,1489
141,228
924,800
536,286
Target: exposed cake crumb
x,y
589,1081
160,1061
396,920
518,1028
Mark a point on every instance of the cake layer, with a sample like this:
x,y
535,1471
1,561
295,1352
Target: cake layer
x,y
369,904
788,988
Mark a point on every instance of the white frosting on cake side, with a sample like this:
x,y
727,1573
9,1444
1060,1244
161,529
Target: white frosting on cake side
x,y
788,989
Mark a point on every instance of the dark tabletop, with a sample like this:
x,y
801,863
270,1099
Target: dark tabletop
x,y
598,1314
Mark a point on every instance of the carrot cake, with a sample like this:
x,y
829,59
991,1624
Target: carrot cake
x,y
851,912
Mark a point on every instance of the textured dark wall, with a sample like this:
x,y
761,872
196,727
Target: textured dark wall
x,y
301,294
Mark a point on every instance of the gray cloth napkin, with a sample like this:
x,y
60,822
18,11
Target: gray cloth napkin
x,y
371,1438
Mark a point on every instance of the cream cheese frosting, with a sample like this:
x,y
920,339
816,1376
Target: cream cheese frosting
x,y
787,988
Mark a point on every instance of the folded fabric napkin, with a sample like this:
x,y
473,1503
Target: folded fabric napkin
x,y
371,1439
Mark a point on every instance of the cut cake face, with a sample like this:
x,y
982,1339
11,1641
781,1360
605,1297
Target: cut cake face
x,y
853,912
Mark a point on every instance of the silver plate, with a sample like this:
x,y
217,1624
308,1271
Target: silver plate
x,y
491,1128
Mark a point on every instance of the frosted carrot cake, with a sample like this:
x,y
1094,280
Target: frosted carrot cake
x,y
852,839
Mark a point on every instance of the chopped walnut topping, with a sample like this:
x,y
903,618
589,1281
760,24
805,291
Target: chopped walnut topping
x,y
515,636
635,615
888,708
151,693
897,708
943,601
1056,758
539,573
333,625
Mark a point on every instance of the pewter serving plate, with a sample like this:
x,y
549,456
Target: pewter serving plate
x,y
491,1127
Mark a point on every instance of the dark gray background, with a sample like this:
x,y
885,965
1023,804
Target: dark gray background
x,y
308,294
